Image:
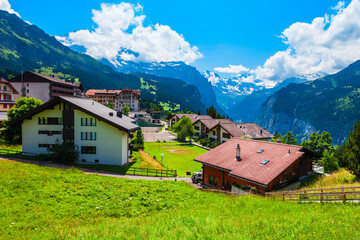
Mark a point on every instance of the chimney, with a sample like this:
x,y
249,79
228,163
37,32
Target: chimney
x,y
111,114
289,151
238,158
279,140
119,114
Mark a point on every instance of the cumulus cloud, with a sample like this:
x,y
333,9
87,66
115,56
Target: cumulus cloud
x,y
120,32
5,5
326,45
232,69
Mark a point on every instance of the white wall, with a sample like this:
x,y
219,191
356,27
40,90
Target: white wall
x,y
111,143
222,139
38,90
198,124
30,132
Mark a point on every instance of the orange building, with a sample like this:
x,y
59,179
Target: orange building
x,y
102,95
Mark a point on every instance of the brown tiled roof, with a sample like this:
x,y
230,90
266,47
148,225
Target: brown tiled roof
x,y
137,92
191,116
249,168
91,92
253,130
87,106
224,120
37,77
232,129
209,123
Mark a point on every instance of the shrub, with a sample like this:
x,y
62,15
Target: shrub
x,y
64,152
329,162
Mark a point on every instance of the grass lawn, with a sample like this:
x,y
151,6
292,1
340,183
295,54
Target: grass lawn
x,y
177,155
47,203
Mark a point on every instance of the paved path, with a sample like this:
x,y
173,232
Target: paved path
x,y
154,136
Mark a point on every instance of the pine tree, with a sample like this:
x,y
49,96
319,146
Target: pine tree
x,y
351,151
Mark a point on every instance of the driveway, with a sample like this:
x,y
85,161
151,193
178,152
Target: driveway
x,y
161,136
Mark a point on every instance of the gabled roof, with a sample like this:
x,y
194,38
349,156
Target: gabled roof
x,y
253,130
2,80
209,123
191,116
249,168
136,92
29,76
87,106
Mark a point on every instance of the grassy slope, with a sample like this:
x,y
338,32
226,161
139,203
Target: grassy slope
x,y
341,178
177,155
43,203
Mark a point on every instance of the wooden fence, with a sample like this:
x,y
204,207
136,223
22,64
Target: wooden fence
x,y
343,194
151,172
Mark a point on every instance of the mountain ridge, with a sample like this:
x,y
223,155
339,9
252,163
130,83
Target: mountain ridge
x,y
26,47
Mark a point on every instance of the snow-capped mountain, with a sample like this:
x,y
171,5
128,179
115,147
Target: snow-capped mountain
x,y
231,90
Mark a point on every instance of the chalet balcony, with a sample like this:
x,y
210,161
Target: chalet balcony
x,y
53,88
5,92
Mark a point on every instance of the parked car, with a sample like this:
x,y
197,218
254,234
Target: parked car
x,y
197,177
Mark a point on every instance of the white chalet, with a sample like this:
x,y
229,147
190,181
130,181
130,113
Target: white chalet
x,y
101,134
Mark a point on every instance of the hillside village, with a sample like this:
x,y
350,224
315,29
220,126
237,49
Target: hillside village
x,y
114,133
106,128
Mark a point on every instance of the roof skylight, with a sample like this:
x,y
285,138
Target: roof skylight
x,y
264,162
260,151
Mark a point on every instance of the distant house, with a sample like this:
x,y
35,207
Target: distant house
x,y
145,117
130,98
101,134
226,130
31,84
252,163
221,130
7,92
102,96
179,116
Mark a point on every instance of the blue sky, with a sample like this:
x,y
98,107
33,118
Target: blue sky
x,y
225,32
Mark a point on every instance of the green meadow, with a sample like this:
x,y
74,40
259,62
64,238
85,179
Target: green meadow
x,y
47,203
177,155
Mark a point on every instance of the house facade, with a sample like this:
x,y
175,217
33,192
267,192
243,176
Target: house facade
x,y
130,98
7,93
101,135
31,84
264,166
102,96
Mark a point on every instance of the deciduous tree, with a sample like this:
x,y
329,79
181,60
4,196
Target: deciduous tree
x,y
13,133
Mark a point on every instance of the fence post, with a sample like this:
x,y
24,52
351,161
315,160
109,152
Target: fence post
x,y
283,196
147,172
344,195
134,171
321,197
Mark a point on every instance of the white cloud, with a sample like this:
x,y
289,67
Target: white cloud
x,y
5,5
326,45
232,69
339,6
120,32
